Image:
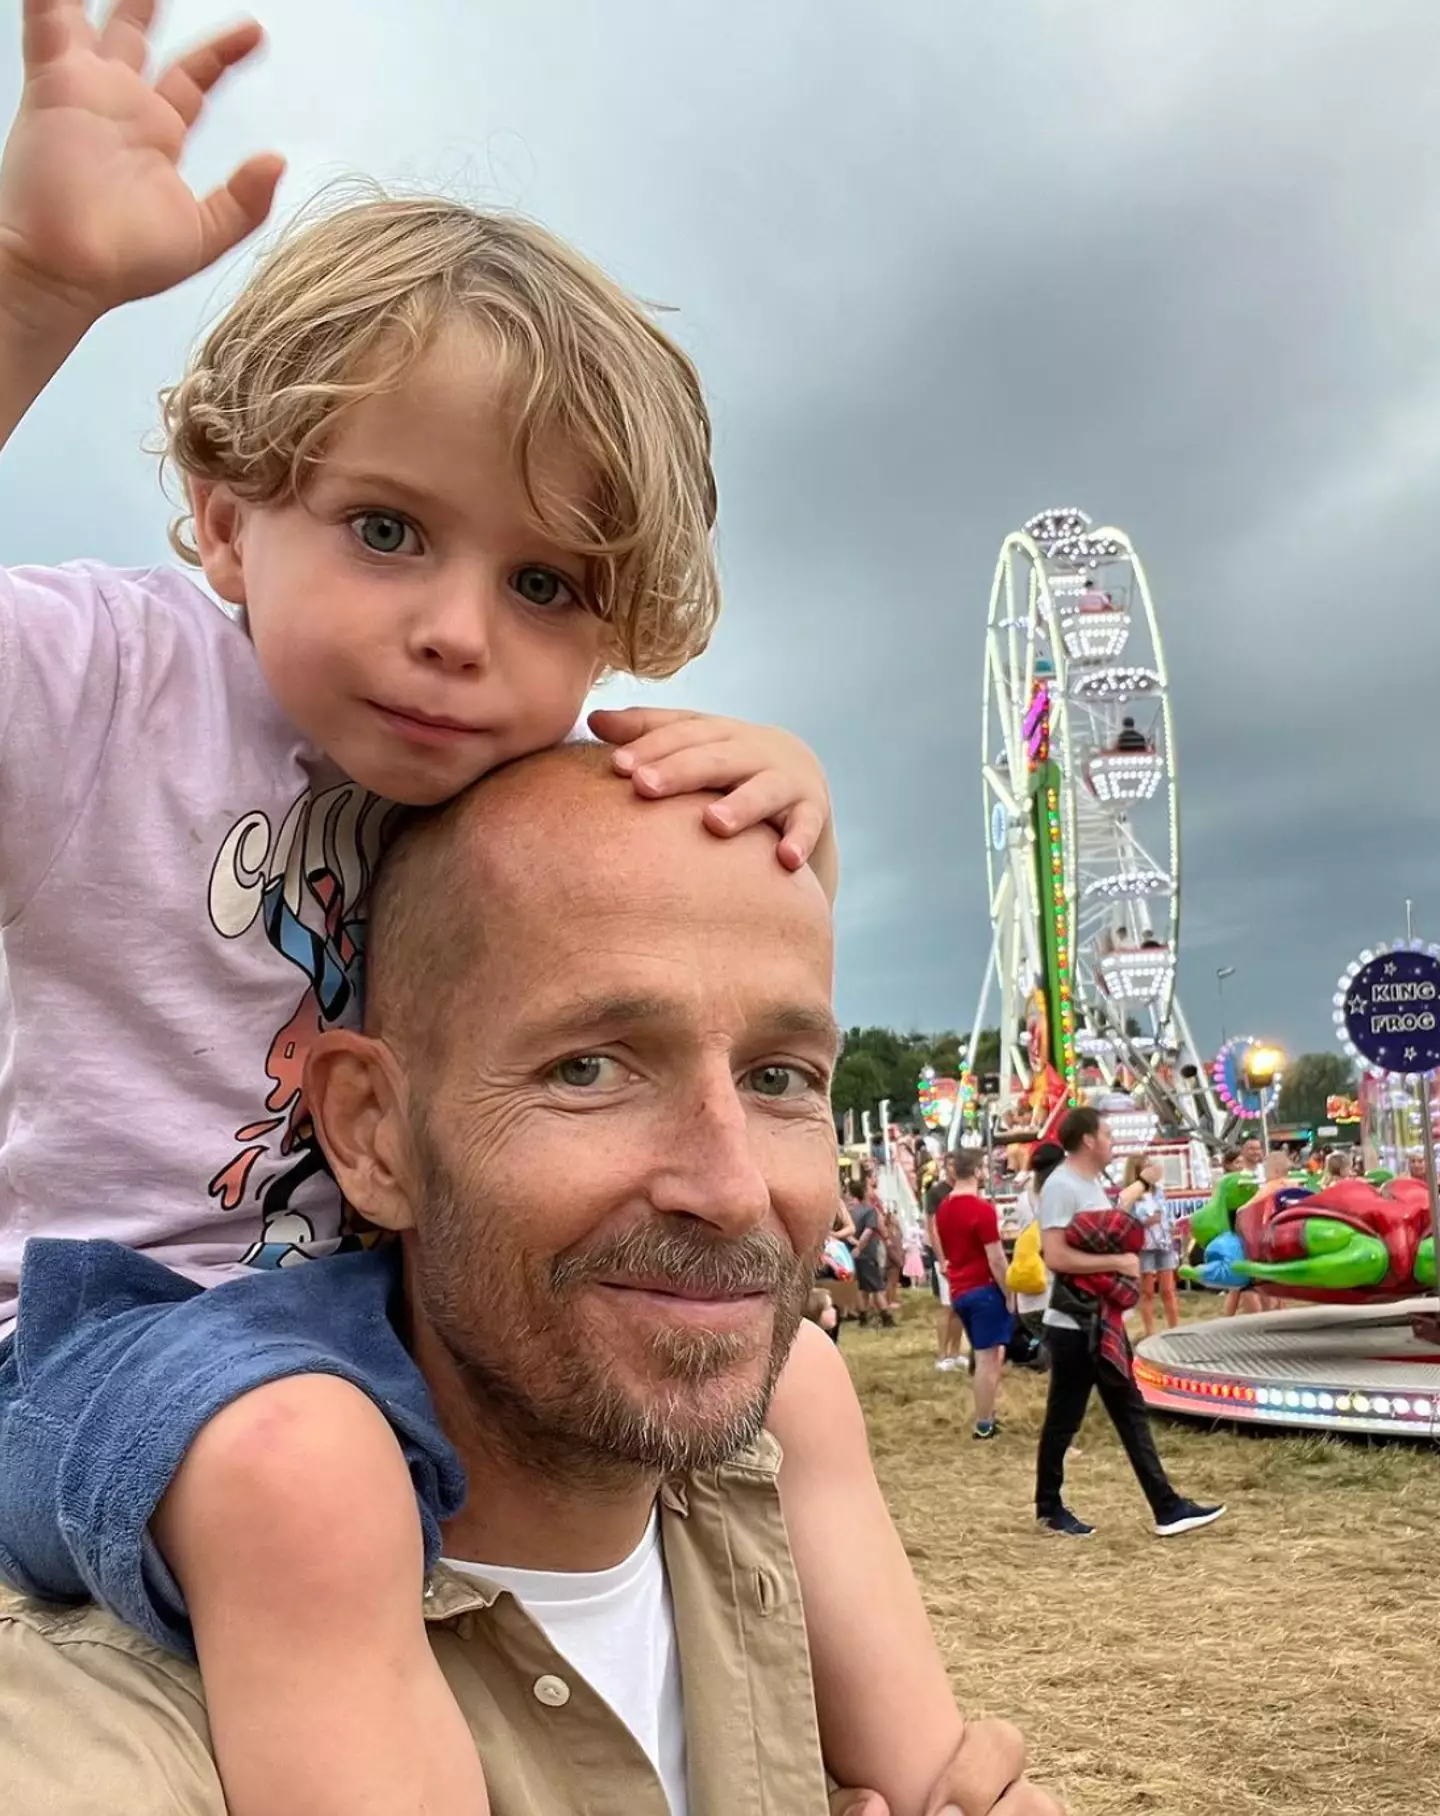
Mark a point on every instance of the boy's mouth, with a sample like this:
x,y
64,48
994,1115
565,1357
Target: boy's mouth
x,y
425,728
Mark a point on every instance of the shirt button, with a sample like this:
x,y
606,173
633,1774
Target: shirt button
x,y
554,1692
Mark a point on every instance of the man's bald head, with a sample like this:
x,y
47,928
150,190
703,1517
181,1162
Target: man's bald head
x,y
569,983
539,823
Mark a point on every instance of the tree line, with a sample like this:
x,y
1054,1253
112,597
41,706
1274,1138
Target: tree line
x,y
881,1064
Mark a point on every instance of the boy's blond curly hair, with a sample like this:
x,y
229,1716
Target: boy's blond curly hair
x,y
343,306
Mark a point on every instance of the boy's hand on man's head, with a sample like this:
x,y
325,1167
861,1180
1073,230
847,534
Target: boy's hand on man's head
x,y
763,776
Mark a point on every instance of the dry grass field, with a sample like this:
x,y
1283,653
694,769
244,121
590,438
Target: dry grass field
x,y
1285,1661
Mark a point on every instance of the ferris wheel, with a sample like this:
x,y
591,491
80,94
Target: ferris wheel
x,y
1081,790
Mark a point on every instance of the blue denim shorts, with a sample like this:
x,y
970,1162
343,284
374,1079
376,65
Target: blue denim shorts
x,y
114,1366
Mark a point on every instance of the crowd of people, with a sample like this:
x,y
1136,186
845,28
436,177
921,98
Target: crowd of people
x,y
1083,1257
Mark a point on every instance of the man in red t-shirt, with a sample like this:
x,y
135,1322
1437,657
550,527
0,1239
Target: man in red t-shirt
x,y
968,1232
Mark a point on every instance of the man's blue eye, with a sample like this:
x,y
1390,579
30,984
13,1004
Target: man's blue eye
x,y
779,1081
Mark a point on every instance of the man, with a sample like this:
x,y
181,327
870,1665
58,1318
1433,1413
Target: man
x,y
566,982
868,1249
1076,1366
1415,1166
1252,1158
947,1325
967,1232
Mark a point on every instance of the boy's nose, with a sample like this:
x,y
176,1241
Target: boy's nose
x,y
454,633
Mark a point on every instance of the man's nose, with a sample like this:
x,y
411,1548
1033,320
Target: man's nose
x,y
712,1169
452,633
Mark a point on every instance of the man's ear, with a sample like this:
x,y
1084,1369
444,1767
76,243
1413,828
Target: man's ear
x,y
357,1097
219,517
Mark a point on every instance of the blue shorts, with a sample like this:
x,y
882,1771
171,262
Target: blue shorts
x,y
114,1366
986,1316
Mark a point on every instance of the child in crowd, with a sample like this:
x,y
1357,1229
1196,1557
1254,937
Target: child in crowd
x,y
444,474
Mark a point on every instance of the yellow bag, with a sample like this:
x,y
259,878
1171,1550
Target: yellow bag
x,y
1026,1273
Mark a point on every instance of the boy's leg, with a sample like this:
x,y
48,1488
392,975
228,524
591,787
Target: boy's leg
x,y
1122,1400
292,1529
1072,1375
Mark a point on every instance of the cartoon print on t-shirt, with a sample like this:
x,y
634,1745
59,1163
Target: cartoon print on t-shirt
x,y
306,885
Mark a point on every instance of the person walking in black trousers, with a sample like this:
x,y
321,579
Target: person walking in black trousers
x,y
1076,1365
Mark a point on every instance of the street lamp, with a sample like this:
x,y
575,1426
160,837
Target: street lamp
x,y
1222,972
1261,1068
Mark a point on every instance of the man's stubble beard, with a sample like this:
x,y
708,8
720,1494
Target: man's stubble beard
x,y
556,1406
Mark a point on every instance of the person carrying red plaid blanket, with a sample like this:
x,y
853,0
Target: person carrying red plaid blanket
x,y
1096,1265
1104,1297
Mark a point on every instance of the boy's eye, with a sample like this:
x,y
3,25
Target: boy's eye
x,y
382,533
542,586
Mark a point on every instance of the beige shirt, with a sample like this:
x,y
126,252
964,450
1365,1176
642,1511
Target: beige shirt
x,y
95,1721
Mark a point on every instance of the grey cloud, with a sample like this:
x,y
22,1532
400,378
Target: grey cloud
x,y
943,264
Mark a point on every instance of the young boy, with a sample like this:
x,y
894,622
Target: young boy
x,y
446,475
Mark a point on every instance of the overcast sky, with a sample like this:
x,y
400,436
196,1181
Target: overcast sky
x,y
944,263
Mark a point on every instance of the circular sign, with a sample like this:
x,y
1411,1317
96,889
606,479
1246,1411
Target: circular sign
x,y
1387,1009
999,826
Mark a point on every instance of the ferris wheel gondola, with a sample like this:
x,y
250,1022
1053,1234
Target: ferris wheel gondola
x,y
1081,788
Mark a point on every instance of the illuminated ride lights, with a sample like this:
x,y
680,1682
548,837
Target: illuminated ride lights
x,y
1037,726
1058,987
1138,974
1131,1131
1050,527
1409,1008
1116,684
1088,549
1122,776
1332,1406
1129,886
1094,636
1233,1088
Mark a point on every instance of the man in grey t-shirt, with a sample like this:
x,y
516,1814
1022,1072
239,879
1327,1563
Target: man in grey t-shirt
x,y
1076,1366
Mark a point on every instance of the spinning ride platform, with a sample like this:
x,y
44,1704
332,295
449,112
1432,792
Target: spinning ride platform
x,y
1360,1368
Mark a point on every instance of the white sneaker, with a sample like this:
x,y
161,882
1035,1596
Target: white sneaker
x,y
947,1364
1187,1516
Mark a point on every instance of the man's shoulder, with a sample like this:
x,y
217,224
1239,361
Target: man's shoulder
x,y
968,1204
1061,1195
94,1717
27,1625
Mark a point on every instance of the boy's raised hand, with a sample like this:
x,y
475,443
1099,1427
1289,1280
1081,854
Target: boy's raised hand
x,y
93,209
762,775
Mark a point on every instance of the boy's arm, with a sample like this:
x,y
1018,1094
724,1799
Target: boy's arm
x,y
38,333
888,1718
762,774
93,211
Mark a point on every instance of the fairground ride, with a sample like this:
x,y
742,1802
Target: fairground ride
x,y
1082,841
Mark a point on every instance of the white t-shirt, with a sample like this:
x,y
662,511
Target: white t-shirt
x,y
1066,1194
617,1628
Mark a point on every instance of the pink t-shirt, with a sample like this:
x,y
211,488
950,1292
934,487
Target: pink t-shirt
x,y
180,875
